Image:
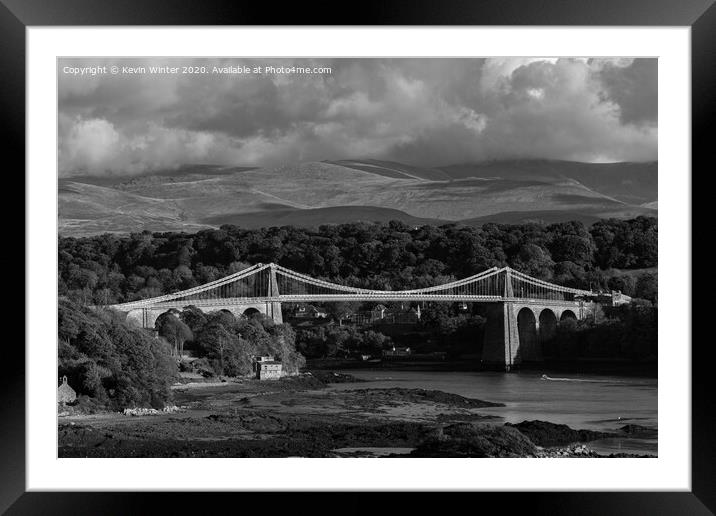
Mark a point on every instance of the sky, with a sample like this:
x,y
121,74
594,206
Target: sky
x,y
423,112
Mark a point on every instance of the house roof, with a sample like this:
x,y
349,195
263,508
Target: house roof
x,y
310,308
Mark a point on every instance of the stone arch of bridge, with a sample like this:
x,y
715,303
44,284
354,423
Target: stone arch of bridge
x,y
144,317
251,312
529,345
136,317
567,314
227,311
547,324
147,317
174,312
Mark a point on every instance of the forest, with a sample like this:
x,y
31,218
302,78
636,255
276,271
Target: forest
x,y
610,254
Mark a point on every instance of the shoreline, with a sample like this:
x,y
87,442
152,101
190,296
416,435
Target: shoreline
x,y
302,416
592,367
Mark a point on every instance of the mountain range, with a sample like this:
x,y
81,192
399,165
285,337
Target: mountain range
x,y
330,192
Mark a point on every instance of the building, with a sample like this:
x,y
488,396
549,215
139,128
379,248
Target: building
x,y
309,312
65,393
267,368
378,312
396,351
410,316
614,298
346,315
263,358
620,299
382,315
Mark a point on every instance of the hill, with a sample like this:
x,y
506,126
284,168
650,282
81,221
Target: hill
x,y
634,183
330,192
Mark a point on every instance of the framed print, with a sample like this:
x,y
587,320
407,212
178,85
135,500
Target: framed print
x,y
417,250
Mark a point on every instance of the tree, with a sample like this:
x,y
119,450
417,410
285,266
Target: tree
x,y
339,309
224,317
218,344
623,283
569,274
193,317
647,286
534,261
373,342
172,328
577,247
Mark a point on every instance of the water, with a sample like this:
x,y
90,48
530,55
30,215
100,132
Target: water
x,y
593,402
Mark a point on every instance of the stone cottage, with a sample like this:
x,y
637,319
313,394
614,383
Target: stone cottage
x,y
65,393
267,368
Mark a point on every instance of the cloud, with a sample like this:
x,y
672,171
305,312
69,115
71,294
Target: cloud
x,y
89,144
95,147
421,111
555,109
634,88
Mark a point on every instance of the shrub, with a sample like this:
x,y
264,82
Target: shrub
x,y
203,367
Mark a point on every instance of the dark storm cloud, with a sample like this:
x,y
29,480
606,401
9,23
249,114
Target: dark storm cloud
x,y
420,111
634,88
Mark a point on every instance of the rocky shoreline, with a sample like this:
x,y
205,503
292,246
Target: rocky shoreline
x,y
302,417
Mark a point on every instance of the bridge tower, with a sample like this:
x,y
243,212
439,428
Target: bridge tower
x,y
501,344
512,331
273,308
500,330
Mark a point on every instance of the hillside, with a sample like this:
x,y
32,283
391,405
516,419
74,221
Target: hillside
x,y
634,183
314,217
314,193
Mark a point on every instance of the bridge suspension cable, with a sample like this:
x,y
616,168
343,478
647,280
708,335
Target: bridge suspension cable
x,y
275,283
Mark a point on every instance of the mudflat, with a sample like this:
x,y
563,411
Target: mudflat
x,y
301,417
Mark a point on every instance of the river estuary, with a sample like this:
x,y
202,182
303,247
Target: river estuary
x,y
580,401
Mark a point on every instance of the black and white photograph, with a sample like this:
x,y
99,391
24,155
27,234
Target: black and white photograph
x,y
357,257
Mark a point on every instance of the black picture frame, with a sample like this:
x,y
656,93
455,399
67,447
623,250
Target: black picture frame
x,y
700,15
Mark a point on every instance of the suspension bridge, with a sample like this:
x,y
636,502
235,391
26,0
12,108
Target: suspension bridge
x,y
522,310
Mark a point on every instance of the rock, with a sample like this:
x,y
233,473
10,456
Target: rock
x,y
469,440
544,433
